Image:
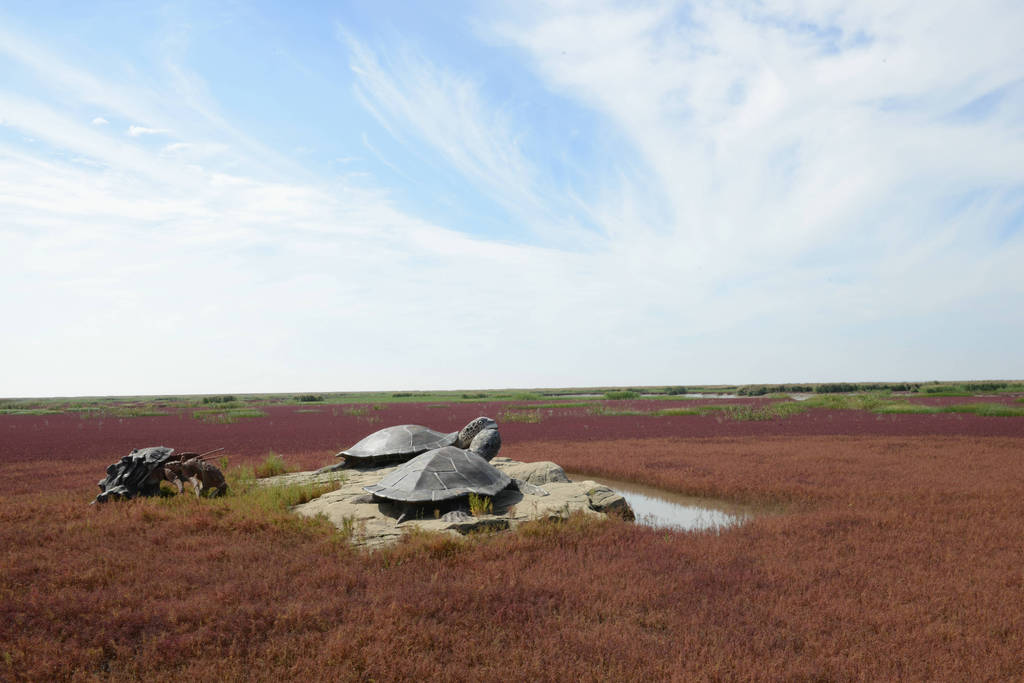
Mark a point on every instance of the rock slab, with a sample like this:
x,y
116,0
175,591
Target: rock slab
x,y
544,492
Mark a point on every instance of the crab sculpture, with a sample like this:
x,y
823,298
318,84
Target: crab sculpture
x,y
140,472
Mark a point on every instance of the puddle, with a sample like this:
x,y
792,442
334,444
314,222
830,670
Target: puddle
x,y
666,510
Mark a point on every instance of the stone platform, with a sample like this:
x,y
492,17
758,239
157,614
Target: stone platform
x,y
545,493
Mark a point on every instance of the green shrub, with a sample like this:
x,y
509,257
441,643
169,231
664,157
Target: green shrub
x,y
621,395
309,398
836,388
942,389
525,396
762,389
986,386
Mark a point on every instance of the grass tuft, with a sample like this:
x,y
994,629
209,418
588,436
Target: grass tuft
x,y
247,500
272,466
480,505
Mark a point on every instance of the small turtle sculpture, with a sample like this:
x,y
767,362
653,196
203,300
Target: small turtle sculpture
x,y
399,443
445,474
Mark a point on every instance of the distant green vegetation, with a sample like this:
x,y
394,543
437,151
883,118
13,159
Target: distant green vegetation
x,y
880,403
846,387
771,411
227,416
555,404
136,411
762,389
971,388
100,409
928,388
230,407
983,409
605,410
524,396
876,402
29,411
530,415
621,395
219,399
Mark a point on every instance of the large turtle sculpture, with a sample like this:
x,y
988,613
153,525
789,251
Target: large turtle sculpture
x,y
399,443
444,475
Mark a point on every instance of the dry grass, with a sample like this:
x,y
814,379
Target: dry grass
x,y
895,558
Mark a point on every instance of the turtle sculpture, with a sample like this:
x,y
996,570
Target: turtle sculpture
x,y
443,475
402,442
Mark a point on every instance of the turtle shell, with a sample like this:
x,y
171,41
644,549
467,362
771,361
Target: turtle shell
x,y
397,443
441,474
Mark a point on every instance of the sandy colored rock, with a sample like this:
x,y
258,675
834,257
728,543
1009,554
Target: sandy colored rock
x,y
537,473
606,500
374,524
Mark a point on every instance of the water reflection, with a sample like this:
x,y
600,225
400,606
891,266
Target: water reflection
x,y
658,513
667,510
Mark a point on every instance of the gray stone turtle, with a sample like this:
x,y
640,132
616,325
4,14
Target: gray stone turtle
x,y
402,442
446,474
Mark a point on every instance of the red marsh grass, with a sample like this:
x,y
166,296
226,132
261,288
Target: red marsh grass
x,y
892,558
311,438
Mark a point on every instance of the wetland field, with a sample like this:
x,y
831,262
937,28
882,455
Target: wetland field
x,y
885,544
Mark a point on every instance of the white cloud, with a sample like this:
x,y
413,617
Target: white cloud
x,y
136,131
417,100
772,144
802,213
99,121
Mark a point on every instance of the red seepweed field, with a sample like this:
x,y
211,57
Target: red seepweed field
x,y
890,548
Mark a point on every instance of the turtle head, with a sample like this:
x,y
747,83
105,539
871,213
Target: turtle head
x,y
474,428
486,443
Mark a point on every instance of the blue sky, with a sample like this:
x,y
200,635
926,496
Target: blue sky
x,y
212,197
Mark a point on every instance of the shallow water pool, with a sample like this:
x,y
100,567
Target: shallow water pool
x,y
667,510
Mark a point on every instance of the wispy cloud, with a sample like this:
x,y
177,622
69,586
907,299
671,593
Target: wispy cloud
x,y
136,243
770,132
785,192
418,101
136,131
